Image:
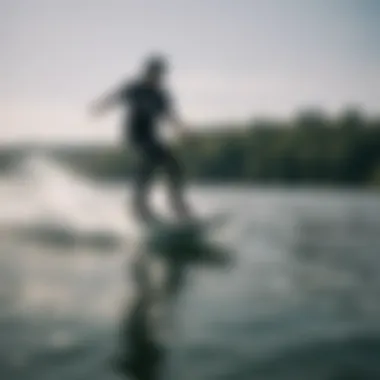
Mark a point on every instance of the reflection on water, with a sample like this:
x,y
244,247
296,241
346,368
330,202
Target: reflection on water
x,y
301,303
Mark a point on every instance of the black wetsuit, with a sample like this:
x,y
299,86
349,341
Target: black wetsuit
x,y
147,105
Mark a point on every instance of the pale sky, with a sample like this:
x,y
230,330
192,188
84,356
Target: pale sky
x,y
231,59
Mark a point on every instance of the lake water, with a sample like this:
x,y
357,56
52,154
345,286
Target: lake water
x,y
300,302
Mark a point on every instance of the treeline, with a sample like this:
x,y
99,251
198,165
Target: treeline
x,y
309,149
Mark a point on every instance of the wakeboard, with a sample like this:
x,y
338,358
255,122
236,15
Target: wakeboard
x,y
186,241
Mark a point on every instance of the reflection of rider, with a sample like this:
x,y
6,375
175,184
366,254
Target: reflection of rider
x,y
149,103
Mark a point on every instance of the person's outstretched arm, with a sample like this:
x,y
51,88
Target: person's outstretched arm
x,y
107,101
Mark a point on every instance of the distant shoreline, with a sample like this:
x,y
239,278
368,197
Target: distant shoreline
x,y
310,151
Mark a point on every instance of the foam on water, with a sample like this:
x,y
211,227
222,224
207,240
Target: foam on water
x,y
45,196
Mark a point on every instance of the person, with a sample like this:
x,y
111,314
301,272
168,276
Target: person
x,y
149,103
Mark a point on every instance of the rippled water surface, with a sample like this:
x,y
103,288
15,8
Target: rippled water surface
x,y
301,301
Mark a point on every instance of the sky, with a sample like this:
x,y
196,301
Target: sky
x,y
230,59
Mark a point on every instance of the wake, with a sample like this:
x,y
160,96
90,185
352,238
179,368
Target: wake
x,y
48,202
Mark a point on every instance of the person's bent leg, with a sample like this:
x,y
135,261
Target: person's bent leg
x,y
176,186
143,180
